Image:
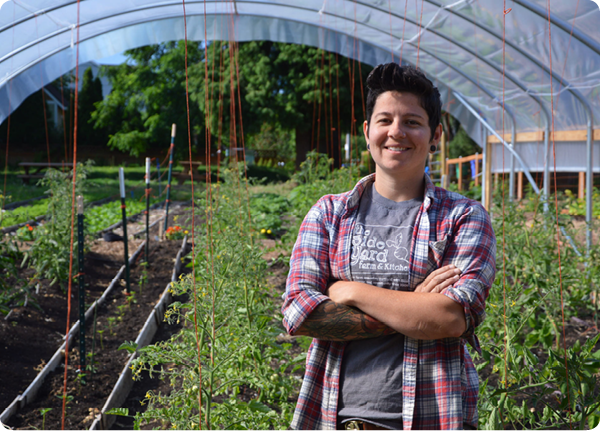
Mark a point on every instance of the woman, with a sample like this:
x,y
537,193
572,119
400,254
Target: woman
x,y
390,279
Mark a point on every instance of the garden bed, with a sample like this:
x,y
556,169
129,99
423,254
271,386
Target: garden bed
x,y
118,321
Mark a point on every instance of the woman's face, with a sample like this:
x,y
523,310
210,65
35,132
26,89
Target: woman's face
x,y
399,135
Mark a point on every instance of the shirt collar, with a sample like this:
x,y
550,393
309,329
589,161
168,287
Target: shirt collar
x,y
359,188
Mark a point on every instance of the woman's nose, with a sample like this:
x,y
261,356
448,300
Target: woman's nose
x,y
395,131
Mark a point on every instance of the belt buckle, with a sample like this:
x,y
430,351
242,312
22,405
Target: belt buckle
x,y
354,425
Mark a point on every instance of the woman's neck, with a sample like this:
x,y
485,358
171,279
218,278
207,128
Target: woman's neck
x,y
399,189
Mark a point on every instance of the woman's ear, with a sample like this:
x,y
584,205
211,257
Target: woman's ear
x,y
366,132
437,135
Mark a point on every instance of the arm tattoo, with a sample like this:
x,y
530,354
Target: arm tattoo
x,y
337,322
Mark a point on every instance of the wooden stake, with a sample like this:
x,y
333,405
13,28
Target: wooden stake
x,y
488,176
519,185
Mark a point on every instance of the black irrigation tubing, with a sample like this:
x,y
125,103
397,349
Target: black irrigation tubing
x,y
125,381
31,392
15,227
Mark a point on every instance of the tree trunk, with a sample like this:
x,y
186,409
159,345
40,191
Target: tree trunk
x,y
302,145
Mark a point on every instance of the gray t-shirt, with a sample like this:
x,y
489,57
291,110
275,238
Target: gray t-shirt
x,y
371,372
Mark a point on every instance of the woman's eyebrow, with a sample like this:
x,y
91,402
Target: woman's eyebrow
x,y
410,114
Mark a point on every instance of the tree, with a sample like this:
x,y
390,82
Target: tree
x,y
148,96
89,95
295,87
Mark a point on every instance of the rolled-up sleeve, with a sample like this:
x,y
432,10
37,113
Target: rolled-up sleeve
x,y
472,250
309,269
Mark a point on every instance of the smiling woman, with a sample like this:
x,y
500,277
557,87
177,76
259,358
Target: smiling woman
x,y
390,279
399,140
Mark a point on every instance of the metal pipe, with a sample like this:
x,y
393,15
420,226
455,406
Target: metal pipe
x,y
546,194
491,129
589,183
483,165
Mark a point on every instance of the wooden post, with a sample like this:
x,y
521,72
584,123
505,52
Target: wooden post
x,y
581,188
476,170
520,185
460,174
488,176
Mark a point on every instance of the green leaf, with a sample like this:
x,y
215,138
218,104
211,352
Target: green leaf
x,y
130,346
257,406
121,411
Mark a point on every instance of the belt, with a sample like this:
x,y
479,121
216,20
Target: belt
x,y
361,425
366,426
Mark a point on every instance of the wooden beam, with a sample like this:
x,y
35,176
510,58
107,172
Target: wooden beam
x,y
520,137
519,185
476,156
557,136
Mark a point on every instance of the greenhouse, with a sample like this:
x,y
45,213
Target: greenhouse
x,y
522,77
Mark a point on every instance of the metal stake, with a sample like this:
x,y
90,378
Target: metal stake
x,y
123,208
147,206
171,150
80,241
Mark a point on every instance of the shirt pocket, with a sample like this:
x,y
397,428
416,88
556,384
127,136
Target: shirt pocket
x,y
436,253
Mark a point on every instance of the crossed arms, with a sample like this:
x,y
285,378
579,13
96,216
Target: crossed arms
x,y
358,310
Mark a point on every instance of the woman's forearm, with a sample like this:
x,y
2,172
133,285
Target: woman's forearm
x,y
424,316
338,322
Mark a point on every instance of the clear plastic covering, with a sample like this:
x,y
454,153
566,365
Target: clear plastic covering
x,y
550,65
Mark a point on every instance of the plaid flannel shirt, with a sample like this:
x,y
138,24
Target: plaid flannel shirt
x,y
440,383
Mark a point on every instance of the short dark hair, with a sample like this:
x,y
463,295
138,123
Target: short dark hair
x,y
404,79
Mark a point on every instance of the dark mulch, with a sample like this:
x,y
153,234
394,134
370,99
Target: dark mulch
x,y
88,399
31,335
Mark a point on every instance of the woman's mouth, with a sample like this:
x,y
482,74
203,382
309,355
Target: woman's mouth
x,y
397,149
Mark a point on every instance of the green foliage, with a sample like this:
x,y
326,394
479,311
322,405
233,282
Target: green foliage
x,y
521,338
28,129
462,145
147,97
89,95
226,347
577,206
316,179
472,192
275,83
9,276
100,217
50,253
24,213
267,174
266,210
273,138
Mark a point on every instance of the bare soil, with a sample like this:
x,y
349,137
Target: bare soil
x,y
31,335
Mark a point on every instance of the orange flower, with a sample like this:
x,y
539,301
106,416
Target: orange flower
x,y
30,228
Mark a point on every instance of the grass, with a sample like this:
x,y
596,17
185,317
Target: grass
x,y
103,182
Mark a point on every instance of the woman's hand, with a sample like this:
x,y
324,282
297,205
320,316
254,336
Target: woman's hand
x,y
342,292
439,280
